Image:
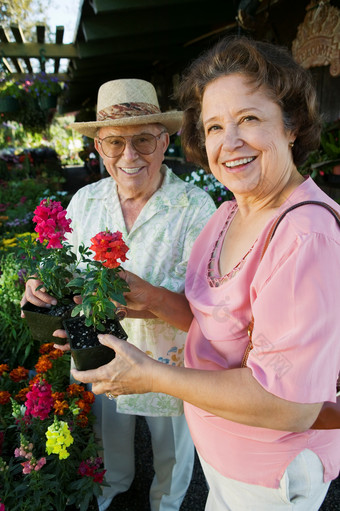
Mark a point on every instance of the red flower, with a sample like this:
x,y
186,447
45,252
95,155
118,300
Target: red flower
x,y
109,247
46,348
52,223
74,389
19,374
90,468
5,397
88,397
82,420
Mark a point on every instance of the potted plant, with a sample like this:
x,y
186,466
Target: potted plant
x,y
325,161
100,287
49,258
45,89
10,94
48,453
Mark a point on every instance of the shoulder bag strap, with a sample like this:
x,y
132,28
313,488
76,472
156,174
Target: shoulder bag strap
x,y
268,240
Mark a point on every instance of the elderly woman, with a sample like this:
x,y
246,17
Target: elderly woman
x,y
250,115
159,216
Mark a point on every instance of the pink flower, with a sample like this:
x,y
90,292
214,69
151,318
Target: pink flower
x,y
27,467
40,464
2,506
52,223
39,400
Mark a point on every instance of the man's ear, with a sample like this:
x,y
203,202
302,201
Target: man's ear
x,y
97,146
166,141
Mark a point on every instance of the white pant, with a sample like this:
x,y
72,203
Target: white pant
x,y
173,454
301,489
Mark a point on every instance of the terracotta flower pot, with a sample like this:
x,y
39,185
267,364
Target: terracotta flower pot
x,y
86,350
43,321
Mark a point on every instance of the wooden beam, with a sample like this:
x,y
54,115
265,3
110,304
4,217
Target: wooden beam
x,y
50,50
123,5
140,23
115,46
18,33
40,33
5,39
5,64
20,38
59,35
41,39
18,66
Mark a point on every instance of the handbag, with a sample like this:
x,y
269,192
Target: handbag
x,y
329,416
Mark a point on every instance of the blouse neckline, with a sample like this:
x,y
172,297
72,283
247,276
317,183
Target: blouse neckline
x,y
215,279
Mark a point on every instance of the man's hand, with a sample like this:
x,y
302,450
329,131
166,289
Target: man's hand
x,y
37,297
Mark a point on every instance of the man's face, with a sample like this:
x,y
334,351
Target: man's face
x,y
136,174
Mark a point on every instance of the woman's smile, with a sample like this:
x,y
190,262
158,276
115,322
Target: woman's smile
x,y
239,164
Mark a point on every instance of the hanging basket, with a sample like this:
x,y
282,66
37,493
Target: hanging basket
x,y
8,104
48,102
86,350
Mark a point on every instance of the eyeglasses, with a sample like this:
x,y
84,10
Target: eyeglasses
x,y
145,143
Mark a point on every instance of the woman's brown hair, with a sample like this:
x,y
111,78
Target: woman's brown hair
x,y
264,65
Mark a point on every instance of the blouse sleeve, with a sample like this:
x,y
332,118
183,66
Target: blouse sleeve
x,y
296,336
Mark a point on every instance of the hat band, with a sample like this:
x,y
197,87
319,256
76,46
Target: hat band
x,y
127,110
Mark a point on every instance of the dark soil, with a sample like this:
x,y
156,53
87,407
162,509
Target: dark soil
x,y
86,350
82,336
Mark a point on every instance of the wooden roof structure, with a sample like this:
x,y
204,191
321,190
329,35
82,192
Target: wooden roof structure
x,y
148,39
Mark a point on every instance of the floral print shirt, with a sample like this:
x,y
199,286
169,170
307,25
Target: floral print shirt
x,y
159,244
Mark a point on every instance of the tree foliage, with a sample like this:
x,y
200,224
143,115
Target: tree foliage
x,y
26,13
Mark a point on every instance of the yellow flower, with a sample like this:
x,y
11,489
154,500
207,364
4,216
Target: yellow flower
x,y
58,439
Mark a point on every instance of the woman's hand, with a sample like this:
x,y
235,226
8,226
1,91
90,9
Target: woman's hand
x,y
130,372
152,301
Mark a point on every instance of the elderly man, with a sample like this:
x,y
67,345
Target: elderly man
x,y
160,217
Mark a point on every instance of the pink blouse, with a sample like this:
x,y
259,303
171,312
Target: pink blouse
x,y
294,295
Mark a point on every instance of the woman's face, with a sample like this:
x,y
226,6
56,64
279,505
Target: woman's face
x,y
247,146
137,175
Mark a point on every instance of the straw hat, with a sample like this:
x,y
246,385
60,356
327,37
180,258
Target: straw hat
x,y
128,102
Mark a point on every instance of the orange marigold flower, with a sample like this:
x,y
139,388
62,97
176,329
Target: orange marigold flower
x,y
43,364
83,406
21,395
34,380
46,348
54,354
82,420
58,396
4,368
19,374
75,390
5,397
60,407
88,397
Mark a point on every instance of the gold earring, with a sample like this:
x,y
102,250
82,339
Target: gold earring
x,y
291,144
